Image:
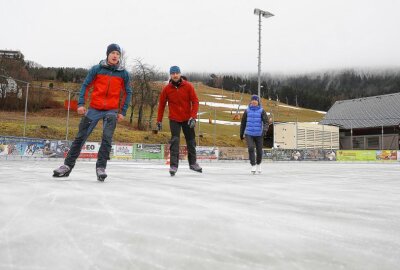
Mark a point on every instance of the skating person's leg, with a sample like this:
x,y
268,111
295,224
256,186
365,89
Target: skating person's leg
x,y
250,147
259,144
86,126
190,137
175,128
109,124
79,141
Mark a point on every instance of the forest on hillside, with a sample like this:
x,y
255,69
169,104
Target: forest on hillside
x,y
314,90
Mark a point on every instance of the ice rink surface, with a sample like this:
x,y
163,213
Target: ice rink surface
x,y
305,215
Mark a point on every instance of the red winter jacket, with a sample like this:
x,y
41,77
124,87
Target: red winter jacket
x,y
183,103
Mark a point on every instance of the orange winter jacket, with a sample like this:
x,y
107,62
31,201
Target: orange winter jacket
x,y
108,82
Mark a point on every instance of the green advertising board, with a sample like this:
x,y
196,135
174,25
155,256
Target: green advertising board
x,y
356,155
148,151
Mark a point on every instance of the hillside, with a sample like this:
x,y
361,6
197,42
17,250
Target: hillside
x,y
215,104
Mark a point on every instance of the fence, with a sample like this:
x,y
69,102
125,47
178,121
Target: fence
x,y
14,147
24,92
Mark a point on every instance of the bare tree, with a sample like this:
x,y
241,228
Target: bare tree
x,y
153,101
146,92
217,80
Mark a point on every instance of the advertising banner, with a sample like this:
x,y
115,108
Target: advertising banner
x,y
123,151
330,155
386,155
3,149
148,151
182,152
34,147
23,146
356,155
314,154
267,154
206,153
56,149
90,150
233,153
31,148
287,154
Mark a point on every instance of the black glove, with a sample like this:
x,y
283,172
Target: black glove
x,y
264,132
192,123
159,126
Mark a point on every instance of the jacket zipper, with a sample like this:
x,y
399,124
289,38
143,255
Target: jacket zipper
x,y
108,88
179,100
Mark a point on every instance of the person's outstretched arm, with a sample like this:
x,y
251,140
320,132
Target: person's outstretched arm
x,y
243,125
161,105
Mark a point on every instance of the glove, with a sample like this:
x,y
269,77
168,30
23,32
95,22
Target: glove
x,y
192,123
159,126
264,132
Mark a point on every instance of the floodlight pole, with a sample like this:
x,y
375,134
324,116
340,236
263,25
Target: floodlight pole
x,y
265,14
69,106
26,107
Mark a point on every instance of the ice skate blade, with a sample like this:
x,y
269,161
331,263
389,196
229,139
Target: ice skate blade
x,y
101,178
58,175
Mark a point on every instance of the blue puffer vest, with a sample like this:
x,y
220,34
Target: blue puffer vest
x,y
254,125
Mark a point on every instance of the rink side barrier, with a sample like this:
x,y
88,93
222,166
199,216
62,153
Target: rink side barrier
x,y
14,147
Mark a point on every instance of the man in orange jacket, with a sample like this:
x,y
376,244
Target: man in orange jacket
x,y
109,79
183,105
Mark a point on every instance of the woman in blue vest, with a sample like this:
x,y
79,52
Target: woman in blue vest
x,y
254,126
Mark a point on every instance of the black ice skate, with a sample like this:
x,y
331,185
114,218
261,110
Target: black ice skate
x,y
101,174
196,167
173,170
63,171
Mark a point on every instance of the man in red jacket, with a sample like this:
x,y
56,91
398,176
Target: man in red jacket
x,y
183,105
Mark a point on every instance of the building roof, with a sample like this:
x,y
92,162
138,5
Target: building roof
x,y
11,54
365,112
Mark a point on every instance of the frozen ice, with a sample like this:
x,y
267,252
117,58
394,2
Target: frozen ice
x,y
306,215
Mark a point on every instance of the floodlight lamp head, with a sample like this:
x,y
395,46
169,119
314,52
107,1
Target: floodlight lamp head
x,y
263,13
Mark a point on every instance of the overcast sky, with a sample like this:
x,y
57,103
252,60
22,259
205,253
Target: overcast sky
x,y
207,35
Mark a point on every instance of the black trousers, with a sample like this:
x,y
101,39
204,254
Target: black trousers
x,y
190,138
256,141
